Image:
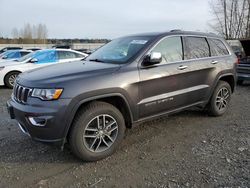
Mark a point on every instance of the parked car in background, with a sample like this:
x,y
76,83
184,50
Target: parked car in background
x,y
13,54
243,71
34,49
61,46
10,70
242,51
237,48
9,48
131,79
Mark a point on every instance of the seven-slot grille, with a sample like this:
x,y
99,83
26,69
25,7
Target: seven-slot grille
x,y
21,93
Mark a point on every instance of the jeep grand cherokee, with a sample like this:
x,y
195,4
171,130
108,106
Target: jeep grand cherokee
x,y
90,103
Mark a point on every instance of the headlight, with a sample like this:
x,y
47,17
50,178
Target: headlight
x,y
47,94
1,68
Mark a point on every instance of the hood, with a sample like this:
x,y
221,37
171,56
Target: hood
x,y
61,73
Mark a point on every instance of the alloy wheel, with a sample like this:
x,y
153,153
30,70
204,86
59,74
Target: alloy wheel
x,y
100,133
222,98
12,79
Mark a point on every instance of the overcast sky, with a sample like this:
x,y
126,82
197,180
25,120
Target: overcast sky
x,y
104,18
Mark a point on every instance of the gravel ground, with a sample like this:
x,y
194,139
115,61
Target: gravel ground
x,y
189,149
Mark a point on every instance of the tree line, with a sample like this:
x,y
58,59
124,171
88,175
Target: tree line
x,y
231,18
30,34
38,34
51,41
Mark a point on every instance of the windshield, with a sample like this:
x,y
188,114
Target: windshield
x,y
120,50
26,57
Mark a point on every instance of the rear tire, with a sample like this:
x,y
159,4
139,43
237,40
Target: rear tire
x,y
10,78
220,99
97,131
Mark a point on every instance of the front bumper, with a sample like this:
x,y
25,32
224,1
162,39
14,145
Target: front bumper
x,y
1,78
53,112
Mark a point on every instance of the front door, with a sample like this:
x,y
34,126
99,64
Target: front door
x,y
172,84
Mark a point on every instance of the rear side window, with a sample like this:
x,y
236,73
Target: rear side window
x,y
196,47
24,53
79,55
217,47
67,55
170,48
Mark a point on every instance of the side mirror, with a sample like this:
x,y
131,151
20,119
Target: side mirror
x,y
4,57
152,59
33,60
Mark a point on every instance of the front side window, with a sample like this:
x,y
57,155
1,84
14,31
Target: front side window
x,y
196,47
120,50
170,49
13,55
217,47
45,56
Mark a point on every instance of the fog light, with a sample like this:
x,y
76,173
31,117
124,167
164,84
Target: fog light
x,y
38,121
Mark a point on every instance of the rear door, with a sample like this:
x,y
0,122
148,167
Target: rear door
x,y
202,65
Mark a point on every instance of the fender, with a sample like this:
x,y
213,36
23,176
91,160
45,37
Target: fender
x,y
73,111
218,79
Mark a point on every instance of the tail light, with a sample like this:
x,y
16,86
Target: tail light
x,y
238,61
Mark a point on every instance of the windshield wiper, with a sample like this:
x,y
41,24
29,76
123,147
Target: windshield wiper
x,y
96,60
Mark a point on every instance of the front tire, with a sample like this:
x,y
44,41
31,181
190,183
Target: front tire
x,y
220,99
10,78
97,131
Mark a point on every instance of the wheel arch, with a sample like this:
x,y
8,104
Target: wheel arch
x,y
115,99
12,71
229,78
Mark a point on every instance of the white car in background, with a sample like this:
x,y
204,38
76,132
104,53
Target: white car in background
x,y
10,69
10,55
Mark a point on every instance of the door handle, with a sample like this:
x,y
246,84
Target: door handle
x,y
215,62
182,67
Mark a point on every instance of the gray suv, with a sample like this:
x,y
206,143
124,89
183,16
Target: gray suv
x,y
90,103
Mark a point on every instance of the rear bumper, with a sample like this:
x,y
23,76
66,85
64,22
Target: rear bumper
x,y
241,76
53,116
243,71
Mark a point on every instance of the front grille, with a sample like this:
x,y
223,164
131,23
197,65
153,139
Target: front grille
x,y
21,93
